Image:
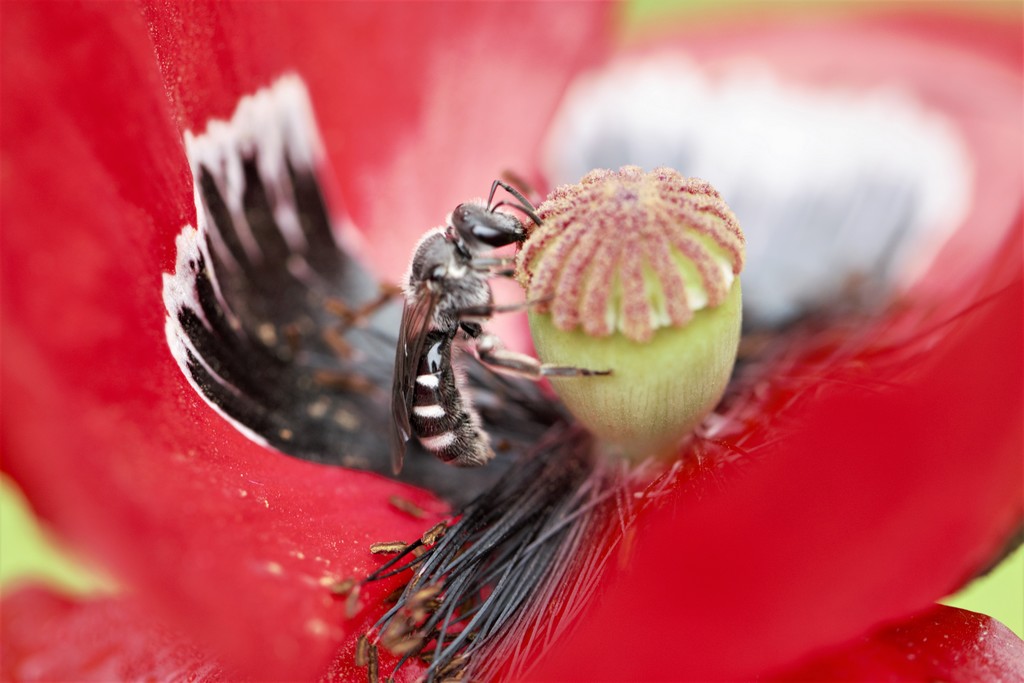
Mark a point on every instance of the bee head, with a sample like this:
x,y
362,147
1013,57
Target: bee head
x,y
480,227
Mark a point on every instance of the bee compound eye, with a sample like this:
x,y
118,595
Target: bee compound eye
x,y
438,272
459,217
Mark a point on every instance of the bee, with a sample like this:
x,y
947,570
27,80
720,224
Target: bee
x,y
447,301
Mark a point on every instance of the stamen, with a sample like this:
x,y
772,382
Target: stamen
x,y
352,603
434,534
344,587
344,382
373,665
482,589
362,655
407,506
388,547
337,342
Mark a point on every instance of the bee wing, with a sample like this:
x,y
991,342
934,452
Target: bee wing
x,y
412,335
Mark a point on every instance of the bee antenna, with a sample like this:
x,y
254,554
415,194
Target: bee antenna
x,y
524,204
527,210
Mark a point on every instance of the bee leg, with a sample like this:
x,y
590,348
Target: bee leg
x,y
495,266
484,263
488,310
495,356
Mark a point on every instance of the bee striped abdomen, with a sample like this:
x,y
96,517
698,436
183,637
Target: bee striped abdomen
x,y
440,418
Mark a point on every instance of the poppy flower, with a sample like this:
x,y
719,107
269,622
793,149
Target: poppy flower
x,y
865,462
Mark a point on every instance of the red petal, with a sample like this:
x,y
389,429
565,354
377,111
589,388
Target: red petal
x,y
871,503
421,104
875,489
965,67
51,637
47,637
235,545
941,644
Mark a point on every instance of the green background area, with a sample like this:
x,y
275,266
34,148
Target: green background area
x,y
29,552
653,14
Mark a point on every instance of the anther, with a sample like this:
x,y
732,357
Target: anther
x,y
388,547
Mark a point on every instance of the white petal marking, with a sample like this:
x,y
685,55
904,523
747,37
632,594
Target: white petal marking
x,y
831,184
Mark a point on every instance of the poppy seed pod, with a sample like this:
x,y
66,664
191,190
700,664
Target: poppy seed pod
x,y
637,273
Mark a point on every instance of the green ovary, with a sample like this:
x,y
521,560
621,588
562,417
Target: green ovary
x,y
659,390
